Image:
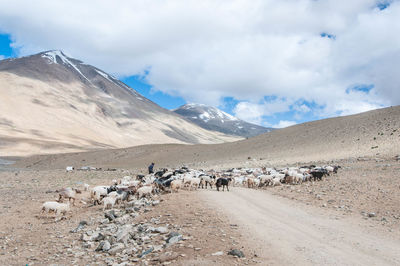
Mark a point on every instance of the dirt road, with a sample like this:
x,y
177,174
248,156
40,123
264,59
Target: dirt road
x,y
288,233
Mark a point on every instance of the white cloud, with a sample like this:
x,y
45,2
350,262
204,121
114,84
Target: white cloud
x,y
284,123
249,112
241,49
302,108
1,57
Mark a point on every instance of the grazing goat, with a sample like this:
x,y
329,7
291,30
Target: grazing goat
x,y
223,182
318,174
109,201
207,180
250,182
57,208
176,185
68,193
144,191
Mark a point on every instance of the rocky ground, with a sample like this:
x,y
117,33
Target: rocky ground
x,y
173,228
177,228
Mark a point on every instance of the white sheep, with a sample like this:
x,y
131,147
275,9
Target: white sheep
x,y
109,201
176,185
195,182
238,181
330,169
133,183
279,176
144,191
68,193
56,207
97,192
275,182
167,174
187,180
208,180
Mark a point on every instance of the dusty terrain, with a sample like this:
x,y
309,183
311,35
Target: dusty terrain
x,y
316,223
29,237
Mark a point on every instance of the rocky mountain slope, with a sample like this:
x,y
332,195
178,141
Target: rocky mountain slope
x,y
53,103
212,118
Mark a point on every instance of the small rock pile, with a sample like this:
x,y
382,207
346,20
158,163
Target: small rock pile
x,y
118,239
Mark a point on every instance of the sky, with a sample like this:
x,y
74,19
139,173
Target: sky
x,y
270,62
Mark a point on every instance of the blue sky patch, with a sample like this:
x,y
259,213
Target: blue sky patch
x,y
139,84
360,87
383,4
5,48
327,35
228,104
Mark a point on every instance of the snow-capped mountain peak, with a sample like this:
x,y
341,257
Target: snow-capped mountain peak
x,y
208,112
53,55
215,119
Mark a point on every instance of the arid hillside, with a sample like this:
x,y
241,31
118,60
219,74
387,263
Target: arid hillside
x,y
52,103
373,133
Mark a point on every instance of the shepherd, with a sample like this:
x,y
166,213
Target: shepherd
x,y
151,166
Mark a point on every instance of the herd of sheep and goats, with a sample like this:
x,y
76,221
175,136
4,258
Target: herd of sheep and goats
x,y
128,187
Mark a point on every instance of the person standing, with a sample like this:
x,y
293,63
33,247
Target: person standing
x,y
151,168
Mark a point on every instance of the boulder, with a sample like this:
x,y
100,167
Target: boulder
x,y
123,233
116,248
161,230
236,253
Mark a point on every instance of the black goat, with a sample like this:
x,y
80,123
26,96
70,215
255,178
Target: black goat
x,y
160,173
318,174
223,182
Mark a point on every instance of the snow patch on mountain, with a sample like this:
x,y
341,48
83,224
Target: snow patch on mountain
x,y
210,112
212,118
104,75
52,57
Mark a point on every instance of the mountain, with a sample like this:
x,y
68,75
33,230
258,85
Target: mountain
x,y
371,136
53,103
212,118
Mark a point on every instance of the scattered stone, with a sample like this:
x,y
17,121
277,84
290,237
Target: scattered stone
x,y
146,252
122,220
371,214
167,257
110,215
124,233
236,253
174,239
104,246
81,225
161,230
155,203
219,253
95,236
116,248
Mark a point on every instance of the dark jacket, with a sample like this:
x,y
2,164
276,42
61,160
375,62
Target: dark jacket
x,y
151,166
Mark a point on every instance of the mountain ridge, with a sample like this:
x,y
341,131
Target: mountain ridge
x,y
212,118
54,103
